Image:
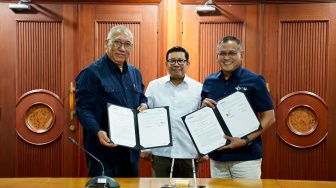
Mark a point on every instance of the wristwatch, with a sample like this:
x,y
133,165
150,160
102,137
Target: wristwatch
x,y
248,142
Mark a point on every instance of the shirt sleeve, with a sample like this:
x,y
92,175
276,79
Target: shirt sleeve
x,y
204,91
149,95
137,74
262,98
143,98
87,86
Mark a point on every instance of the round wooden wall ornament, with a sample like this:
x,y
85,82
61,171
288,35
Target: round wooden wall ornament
x,y
39,117
302,119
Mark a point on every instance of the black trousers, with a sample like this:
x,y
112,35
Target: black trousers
x,y
182,167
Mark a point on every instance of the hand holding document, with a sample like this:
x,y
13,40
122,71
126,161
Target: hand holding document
x,y
233,116
147,129
205,130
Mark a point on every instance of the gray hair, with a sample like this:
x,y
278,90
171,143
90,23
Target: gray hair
x,y
119,28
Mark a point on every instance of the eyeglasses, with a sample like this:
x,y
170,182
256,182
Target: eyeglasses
x,y
118,43
230,54
178,61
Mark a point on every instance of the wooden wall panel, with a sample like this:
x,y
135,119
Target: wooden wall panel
x,y
302,127
7,93
302,67
303,57
38,161
35,47
39,67
39,62
303,164
331,139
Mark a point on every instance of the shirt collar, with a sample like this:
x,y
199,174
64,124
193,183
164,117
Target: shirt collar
x,y
186,79
237,72
113,66
166,79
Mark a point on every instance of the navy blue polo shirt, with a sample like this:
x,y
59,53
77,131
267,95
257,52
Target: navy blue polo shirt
x,y
100,83
216,87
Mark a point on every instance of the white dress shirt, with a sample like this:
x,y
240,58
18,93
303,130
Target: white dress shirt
x,y
182,99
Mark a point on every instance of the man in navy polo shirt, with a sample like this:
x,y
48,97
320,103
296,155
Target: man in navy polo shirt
x,y
242,157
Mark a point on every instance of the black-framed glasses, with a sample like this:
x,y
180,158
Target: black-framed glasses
x,y
230,54
119,43
178,61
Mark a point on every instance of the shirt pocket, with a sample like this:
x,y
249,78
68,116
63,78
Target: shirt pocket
x,y
112,94
189,103
136,88
136,94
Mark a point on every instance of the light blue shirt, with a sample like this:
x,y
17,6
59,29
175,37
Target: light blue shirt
x,y
182,100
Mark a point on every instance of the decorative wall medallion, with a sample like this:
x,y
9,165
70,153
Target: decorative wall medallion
x,y
302,120
39,117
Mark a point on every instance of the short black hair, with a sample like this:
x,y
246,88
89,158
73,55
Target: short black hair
x,y
230,38
178,49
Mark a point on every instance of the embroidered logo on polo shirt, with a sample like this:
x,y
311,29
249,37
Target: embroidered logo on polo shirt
x,y
238,88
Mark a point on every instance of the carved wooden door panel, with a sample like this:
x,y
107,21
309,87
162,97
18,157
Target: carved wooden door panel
x,y
299,41
94,25
41,51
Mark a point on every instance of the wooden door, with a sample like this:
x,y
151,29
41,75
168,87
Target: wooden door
x,y
95,21
35,82
201,33
300,62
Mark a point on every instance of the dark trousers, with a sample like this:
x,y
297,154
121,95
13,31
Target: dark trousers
x,y
182,167
113,168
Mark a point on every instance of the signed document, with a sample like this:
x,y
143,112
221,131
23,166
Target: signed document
x,y
147,129
205,130
238,115
233,116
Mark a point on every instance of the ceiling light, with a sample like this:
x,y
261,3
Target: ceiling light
x,y
206,8
20,5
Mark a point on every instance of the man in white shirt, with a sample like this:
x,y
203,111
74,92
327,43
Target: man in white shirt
x,y
182,95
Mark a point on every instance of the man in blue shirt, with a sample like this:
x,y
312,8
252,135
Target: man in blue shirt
x,y
242,157
110,79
